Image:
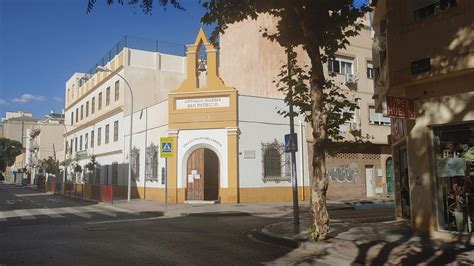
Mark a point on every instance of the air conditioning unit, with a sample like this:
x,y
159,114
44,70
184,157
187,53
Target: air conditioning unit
x,y
350,79
354,126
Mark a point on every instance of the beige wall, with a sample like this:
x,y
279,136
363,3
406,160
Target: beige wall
x,y
442,96
51,134
447,38
13,129
260,60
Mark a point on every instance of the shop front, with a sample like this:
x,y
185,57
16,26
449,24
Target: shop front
x,y
454,161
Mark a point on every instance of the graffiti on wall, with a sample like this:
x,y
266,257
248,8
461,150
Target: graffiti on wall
x,y
343,173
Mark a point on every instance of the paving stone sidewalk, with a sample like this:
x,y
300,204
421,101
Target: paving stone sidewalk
x,y
362,243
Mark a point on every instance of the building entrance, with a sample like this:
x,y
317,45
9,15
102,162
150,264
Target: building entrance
x,y
202,175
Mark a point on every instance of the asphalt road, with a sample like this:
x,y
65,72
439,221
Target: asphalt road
x,y
48,229
78,237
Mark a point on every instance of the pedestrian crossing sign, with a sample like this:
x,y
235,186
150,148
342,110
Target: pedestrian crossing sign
x,y
166,144
291,142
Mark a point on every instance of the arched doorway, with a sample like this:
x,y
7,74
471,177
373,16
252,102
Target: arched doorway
x,y
202,175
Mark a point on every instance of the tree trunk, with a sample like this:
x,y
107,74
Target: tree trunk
x,y
319,180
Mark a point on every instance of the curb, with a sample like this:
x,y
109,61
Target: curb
x,y
264,234
216,214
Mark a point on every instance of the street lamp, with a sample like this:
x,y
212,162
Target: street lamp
x,y
104,69
65,150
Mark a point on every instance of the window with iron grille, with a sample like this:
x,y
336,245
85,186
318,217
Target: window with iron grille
x,y
117,92
276,163
151,163
80,143
135,164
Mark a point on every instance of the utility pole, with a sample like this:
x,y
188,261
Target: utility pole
x,y
294,182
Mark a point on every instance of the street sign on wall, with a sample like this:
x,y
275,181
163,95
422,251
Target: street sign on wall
x,y
166,147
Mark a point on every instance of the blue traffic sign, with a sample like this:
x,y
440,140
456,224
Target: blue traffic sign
x,y
291,142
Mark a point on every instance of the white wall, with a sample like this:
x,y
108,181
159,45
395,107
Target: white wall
x,y
149,125
259,123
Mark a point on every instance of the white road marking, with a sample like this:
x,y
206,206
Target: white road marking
x,y
24,214
34,194
76,212
101,211
50,212
2,217
128,220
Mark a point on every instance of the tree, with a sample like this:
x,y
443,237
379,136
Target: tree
x,y
50,165
321,27
9,149
92,167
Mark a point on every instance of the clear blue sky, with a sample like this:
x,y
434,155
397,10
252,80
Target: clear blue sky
x,y
43,42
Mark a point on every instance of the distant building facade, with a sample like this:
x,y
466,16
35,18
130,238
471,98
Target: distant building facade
x,y
424,75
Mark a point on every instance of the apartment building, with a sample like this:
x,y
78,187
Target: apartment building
x,y
425,72
96,104
359,171
15,124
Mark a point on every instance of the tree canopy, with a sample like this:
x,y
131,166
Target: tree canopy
x,y
9,149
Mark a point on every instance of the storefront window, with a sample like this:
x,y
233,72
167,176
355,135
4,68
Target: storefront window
x,y
454,156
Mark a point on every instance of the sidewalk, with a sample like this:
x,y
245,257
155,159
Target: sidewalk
x,y
375,243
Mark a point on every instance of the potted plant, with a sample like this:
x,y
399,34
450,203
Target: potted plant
x,y
459,187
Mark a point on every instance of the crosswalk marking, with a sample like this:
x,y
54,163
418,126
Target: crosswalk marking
x,y
24,214
101,211
76,212
80,211
49,212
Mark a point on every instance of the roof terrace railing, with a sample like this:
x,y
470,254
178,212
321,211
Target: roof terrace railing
x,y
139,44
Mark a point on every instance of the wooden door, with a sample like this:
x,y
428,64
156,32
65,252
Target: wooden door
x,y
195,175
211,170
202,175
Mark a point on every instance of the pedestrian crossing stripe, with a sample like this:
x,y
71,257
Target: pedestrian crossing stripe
x,y
79,211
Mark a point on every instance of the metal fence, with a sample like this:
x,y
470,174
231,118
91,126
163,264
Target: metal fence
x,y
136,43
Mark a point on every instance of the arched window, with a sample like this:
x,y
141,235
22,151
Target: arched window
x,y
151,163
276,163
135,163
272,162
